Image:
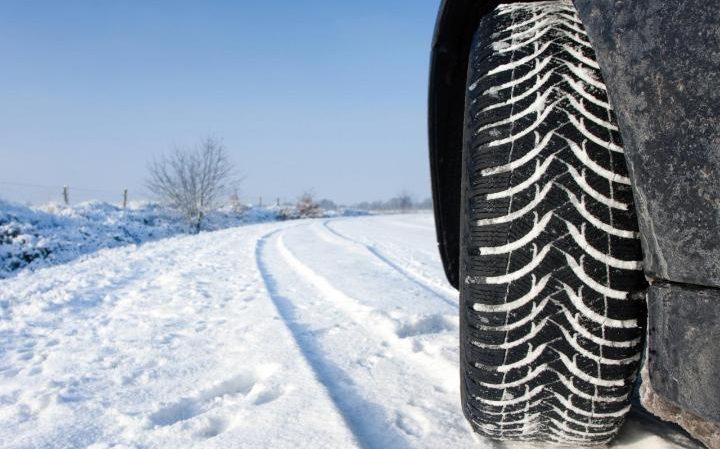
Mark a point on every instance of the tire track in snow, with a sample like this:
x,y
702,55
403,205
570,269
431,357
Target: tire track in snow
x,y
375,322
375,366
410,275
364,427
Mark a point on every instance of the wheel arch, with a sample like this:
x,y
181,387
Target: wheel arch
x,y
454,29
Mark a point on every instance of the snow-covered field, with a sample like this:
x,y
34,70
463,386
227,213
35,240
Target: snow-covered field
x,y
33,238
335,333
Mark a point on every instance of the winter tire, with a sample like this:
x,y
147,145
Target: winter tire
x,y
552,311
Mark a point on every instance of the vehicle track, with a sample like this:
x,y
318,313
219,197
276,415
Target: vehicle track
x,y
327,373
416,278
375,322
376,345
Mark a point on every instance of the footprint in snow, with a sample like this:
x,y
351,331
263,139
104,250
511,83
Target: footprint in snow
x,y
187,408
249,384
431,324
412,422
268,394
212,427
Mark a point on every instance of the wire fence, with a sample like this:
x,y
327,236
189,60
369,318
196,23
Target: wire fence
x,y
29,193
38,194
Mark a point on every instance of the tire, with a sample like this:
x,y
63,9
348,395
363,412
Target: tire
x,y
552,303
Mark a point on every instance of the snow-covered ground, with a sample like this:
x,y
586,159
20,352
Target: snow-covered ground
x,y
335,333
32,238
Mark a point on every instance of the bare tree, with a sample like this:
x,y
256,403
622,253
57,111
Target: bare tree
x,y
235,204
426,204
192,180
307,206
404,201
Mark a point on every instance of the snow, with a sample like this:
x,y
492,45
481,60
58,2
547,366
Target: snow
x,y
335,333
52,234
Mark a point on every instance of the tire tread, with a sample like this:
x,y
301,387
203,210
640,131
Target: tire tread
x,y
551,329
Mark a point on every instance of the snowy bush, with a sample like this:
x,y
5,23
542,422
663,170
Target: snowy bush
x,y
53,234
32,238
307,207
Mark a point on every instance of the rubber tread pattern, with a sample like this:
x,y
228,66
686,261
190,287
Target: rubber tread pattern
x,y
552,310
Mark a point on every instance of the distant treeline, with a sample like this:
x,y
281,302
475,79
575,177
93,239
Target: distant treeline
x,y
401,202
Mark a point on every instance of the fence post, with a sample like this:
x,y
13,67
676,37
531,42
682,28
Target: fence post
x,y
66,195
125,199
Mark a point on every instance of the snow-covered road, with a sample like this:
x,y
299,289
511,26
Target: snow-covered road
x,y
312,334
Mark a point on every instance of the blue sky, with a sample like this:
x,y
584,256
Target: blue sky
x,y
323,95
